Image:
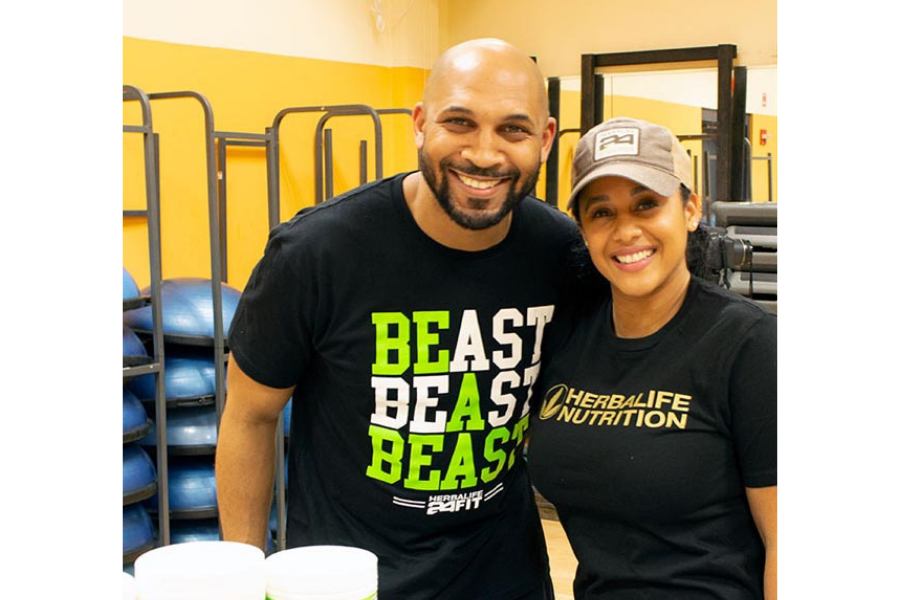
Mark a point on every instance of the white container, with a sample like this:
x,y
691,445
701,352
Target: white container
x,y
322,573
129,591
213,570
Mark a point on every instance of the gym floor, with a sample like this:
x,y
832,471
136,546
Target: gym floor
x,y
562,561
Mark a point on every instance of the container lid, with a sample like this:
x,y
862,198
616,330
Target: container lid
x,y
321,572
129,591
208,570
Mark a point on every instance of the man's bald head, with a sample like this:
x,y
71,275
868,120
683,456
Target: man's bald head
x,y
486,57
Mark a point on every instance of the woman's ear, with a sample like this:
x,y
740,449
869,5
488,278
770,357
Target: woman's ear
x,y
693,211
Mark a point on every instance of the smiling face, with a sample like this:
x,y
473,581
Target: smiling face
x,y
482,133
637,238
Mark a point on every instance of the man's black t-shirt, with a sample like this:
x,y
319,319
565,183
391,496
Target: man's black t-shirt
x,y
645,447
413,365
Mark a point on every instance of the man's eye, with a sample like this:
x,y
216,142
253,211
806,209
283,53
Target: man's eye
x,y
457,122
516,130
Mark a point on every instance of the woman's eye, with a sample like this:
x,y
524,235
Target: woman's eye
x,y
646,204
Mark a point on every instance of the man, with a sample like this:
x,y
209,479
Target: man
x,y
405,318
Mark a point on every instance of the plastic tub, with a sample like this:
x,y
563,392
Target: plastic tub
x,y
201,571
322,573
129,590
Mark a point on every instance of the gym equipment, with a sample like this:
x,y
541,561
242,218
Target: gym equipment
x,y
745,213
187,308
138,474
286,417
137,531
130,288
751,284
192,488
205,530
190,430
135,422
757,224
133,351
189,376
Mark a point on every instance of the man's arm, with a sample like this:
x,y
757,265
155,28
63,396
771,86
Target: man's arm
x,y
245,456
764,507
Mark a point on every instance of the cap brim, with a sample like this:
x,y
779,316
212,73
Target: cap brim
x,y
660,182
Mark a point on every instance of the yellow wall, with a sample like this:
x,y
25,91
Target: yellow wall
x,y
246,90
760,173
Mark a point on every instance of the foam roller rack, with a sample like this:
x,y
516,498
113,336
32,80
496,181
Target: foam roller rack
x,y
757,224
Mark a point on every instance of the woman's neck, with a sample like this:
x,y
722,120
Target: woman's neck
x,y
643,316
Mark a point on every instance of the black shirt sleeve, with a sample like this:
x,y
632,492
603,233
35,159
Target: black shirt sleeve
x,y
270,335
753,401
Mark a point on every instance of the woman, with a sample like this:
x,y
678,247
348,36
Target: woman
x,y
656,438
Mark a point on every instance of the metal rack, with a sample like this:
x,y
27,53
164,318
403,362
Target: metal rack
x,y
216,144
151,158
155,365
730,113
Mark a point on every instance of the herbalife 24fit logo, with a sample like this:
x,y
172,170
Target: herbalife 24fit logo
x,y
617,142
450,402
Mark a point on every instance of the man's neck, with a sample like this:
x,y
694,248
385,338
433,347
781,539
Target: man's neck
x,y
437,224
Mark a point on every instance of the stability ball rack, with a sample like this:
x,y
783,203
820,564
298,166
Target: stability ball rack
x,y
151,158
155,364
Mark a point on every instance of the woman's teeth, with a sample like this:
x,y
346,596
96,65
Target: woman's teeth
x,y
633,258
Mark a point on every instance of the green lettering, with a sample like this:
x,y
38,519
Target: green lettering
x,y
468,406
491,453
393,456
386,344
425,339
417,460
518,435
462,465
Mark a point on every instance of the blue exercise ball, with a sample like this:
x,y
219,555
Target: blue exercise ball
x,y
182,531
130,288
192,484
138,470
131,343
135,422
188,429
189,373
203,530
137,528
286,413
187,308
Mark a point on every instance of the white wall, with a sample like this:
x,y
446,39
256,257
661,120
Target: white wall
x,y
558,32
340,30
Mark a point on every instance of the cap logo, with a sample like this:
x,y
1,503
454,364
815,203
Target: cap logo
x,y
617,142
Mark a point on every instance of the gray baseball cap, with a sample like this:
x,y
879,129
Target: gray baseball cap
x,y
646,153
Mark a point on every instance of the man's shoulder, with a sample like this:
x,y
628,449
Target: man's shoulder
x,y
547,218
336,215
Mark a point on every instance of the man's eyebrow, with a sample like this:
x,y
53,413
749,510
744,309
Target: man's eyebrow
x,y
468,111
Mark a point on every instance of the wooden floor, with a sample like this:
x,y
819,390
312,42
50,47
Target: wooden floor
x,y
562,561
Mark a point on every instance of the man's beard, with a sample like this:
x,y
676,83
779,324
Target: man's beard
x,y
476,222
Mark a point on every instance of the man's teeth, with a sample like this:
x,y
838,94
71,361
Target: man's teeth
x,y
633,258
479,183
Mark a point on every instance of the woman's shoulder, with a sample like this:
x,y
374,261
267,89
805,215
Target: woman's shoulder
x,y
726,307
